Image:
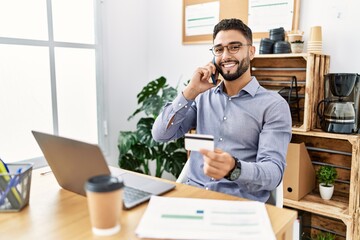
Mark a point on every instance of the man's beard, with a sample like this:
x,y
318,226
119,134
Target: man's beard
x,y
242,68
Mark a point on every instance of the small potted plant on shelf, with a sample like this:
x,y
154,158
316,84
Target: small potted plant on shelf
x,y
326,176
297,46
325,236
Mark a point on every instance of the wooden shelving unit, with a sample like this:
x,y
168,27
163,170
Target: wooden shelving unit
x,y
342,152
341,214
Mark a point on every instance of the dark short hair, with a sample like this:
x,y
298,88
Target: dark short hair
x,y
233,24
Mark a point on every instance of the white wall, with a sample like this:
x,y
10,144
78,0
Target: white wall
x,y
340,29
125,54
142,41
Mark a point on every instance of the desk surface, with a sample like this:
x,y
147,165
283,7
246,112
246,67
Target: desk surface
x,y
59,214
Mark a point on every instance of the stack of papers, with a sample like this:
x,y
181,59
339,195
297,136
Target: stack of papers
x,y
189,218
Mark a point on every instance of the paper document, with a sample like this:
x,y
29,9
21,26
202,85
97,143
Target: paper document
x,y
190,218
201,18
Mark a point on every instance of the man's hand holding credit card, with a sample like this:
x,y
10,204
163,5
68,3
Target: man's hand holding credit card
x,y
195,142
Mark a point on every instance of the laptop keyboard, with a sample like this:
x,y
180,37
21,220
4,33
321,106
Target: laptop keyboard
x,y
132,195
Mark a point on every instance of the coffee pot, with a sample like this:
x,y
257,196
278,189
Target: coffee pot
x,y
341,103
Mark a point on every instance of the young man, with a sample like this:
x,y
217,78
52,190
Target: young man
x,y
251,126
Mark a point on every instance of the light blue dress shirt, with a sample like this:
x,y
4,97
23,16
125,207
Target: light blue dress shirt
x,y
254,126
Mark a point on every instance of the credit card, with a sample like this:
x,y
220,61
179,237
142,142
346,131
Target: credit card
x,y
195,142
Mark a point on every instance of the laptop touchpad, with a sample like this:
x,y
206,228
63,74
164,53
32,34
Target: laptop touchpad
x,y
145,184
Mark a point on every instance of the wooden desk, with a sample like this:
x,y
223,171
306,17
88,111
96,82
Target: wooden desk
x,y
55,213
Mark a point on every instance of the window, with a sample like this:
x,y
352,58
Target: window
x,y
49,74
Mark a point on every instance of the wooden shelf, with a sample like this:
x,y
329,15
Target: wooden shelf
x,y
308,69
315,204
282,55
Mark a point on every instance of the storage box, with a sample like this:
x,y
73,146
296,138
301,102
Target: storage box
x,y
299,176
15,187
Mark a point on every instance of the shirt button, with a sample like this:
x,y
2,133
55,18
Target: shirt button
x,y
212,179
185,106
220,139
206,188
225,118
172,123
229,98
179,104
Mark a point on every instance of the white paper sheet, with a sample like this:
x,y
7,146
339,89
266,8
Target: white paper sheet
x,y
201,18
269,14
190,218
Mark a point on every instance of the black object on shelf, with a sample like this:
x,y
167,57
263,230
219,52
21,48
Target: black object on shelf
x,y
290,92
277,34
282,47
266,46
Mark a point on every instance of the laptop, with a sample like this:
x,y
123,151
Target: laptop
x,y
74,162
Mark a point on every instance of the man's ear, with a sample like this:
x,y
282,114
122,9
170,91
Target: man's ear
x,y
252,51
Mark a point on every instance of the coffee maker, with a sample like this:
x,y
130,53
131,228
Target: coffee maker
x,y
340,112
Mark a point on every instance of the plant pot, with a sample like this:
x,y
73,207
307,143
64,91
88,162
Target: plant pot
x,y
326,192
297,47
294,37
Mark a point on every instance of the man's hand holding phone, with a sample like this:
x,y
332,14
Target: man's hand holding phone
x,y
200,82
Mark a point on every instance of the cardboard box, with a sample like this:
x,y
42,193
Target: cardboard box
x,y
299,176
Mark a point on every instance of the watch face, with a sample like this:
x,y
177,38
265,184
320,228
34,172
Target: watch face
x,y
235,174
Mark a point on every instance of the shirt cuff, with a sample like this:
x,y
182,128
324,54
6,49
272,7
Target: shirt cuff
x,y
246,171
181,102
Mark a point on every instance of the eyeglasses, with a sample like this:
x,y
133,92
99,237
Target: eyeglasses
x,y
232,48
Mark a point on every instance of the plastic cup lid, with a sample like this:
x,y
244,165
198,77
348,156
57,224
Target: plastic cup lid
x,y
103,183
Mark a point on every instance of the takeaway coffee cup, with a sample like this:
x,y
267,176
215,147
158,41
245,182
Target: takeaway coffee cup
x,y
104,194
315,34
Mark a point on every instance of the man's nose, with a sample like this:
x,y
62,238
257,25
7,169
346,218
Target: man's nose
x,y
226,54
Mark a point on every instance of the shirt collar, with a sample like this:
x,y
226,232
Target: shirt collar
x,y
250,88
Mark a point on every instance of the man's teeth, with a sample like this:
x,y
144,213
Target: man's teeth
x,y
229,65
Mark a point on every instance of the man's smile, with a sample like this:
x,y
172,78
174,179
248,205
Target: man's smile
x,y
229,65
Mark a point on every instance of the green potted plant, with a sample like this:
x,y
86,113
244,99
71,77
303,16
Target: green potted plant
x,y
324,236
297,46
326,176
137,148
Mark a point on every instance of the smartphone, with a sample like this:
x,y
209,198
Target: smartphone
x,y
214,76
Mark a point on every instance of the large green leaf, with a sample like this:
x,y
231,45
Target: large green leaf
x,y
169,94
153,105
152,88
149,98
126,140
173,156
142,152
143,132
175,163
130,162
177,145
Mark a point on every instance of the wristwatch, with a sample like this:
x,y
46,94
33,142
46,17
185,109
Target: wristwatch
x,y
234,174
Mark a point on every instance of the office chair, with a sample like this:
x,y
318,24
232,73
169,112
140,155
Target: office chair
x,y
182,177
276,196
